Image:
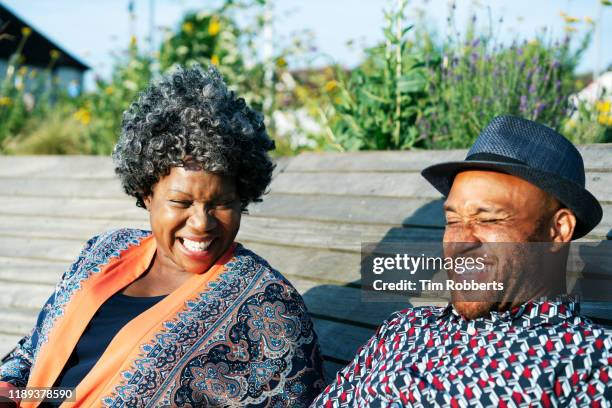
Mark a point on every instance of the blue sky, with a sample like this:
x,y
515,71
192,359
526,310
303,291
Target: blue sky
x,y
93,29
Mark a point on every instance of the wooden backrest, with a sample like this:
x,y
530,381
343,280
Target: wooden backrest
x,y
320,208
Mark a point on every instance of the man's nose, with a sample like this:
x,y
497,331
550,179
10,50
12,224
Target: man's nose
x,y
202,219
464,232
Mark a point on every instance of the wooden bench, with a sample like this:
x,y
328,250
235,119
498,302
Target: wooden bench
x,y
320,208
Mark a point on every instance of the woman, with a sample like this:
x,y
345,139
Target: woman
x,y
182,315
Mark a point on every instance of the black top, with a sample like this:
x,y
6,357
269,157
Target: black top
x,y
115,313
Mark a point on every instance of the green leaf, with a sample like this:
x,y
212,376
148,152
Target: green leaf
x,y
414,81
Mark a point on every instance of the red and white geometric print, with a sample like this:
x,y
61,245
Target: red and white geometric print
x,y
541,354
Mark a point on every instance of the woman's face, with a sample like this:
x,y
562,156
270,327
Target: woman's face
x,y
195,216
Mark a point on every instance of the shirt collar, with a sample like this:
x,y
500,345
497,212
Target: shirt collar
x,y
549,310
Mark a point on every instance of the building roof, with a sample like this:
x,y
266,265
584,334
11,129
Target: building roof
x,y
37,48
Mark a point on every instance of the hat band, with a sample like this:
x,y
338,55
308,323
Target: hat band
x,y
493,157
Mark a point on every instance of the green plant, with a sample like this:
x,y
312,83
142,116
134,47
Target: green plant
x,y
479,78
24,93
101,111
56,133
377,104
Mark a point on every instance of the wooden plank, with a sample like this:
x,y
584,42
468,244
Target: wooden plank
x,y
64,228
344,304
17,321
25,296
340,341
330,369
31,270
57,167
596,157
322,235
56,187
53,249
87,208
313,234
8,343
404,211
392,184
348,209
318,265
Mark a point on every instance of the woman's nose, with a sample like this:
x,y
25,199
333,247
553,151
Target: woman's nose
x,y
202,219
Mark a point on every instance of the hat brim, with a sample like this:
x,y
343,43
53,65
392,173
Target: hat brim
x,y
583,204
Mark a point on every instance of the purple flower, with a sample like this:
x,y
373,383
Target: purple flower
x,y
474,18
532,88
519,51
474,58
523,105
556,64
476,42
558,84
539,108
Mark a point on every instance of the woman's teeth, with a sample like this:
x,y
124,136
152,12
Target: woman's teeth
x,y
196,245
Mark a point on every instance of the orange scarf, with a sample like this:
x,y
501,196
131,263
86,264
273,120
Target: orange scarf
x,y
124,349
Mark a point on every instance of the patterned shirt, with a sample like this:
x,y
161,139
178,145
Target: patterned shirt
x,y
540,354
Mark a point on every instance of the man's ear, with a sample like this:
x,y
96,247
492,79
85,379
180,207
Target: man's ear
x,y
563,224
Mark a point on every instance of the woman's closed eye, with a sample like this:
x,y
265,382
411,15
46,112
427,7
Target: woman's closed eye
x,y
224,204
182,203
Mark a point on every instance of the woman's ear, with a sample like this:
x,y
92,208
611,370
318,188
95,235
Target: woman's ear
x,y
147,202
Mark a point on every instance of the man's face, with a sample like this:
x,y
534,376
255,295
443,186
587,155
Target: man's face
x,y
490,207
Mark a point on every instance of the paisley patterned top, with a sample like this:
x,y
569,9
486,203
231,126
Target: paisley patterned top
x,y
246,339
543,354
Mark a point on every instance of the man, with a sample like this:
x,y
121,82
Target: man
x,y
520,183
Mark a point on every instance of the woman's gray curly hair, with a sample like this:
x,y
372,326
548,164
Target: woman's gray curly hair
x,y
191,116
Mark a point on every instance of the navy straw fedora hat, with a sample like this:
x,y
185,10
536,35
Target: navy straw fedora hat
x,y
533,152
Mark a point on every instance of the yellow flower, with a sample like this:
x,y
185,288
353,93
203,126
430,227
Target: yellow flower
x,y
589,20
83,116
331,86
214,26
133,41
22,71
26,31
609,121
188,27
109,90
569,29
214,60
603,106
571,123
55,54
5,101
570,19
281,62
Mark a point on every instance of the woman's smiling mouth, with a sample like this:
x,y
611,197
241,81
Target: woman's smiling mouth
x,y
196,248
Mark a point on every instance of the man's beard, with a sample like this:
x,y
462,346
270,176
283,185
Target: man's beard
x,y
525,270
